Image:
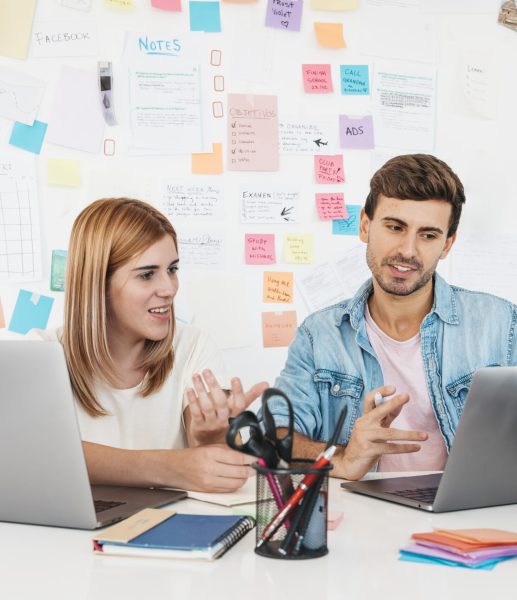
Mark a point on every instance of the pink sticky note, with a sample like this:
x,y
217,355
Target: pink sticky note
x,y
331,206
173,5
259,248
329,169
317,79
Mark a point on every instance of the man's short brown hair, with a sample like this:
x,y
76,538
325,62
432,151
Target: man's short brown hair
x,y
417,177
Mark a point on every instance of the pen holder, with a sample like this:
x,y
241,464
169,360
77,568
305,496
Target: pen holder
x,y
303,533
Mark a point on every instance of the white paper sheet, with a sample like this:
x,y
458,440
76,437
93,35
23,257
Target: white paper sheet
x,y
84,5
404,105
186,199
76,118
201,249
246,495
479,83
20,238
20,95
269,204
64,38
300,136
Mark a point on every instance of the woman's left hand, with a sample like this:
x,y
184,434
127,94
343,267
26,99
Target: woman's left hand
x,y
210,407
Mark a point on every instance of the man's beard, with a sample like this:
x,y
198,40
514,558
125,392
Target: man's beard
x,y
400,287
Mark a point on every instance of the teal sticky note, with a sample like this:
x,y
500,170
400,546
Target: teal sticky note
x,y
348,226
58,270
354,80
30,312
205,16
28,137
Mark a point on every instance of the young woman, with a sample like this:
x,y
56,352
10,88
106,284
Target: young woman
x,y
147,416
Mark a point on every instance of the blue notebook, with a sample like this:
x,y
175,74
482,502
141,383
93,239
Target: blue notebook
x,y
164,534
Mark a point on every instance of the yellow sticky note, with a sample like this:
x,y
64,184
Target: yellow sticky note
x,y
330,35
209,163
333,4
298,248
124,4
2,319
15,27
278,287
62,171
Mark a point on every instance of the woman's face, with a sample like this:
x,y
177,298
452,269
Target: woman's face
x,y
140,294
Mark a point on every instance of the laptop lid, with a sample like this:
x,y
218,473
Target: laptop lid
x,y
42,467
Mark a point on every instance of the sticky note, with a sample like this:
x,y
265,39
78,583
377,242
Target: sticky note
x,y
329,169
330,35
348,226
334,4
63,171
58,270
2,318
278,287
355,80
123,4
298,248
30,312
172,5
278,328
28,137
204,16
259,248
15,27
209,163
356,133
317,79
331,206
284,14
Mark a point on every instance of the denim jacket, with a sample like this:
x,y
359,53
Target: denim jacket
x,y
331,362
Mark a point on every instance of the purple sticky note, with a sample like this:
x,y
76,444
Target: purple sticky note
x,y
284,14
356,133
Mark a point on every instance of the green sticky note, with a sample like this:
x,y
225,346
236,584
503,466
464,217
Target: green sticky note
x,y
58,270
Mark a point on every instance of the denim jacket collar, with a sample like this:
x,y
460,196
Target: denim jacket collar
x,y
444,305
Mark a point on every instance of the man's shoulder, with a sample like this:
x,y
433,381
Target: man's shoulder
x,y
331,315
477,299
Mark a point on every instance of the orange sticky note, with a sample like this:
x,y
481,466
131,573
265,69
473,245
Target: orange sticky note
x,y
2,319
278,328
208,163
330,35
278,287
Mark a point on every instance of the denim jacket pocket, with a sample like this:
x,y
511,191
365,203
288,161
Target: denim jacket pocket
x,y
459,389
338,390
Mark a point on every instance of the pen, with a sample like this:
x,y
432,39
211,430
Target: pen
x,y
321,462
273,487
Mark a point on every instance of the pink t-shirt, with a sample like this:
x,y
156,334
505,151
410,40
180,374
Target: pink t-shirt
x,y
403,367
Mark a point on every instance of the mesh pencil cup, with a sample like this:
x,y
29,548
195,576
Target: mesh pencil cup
x,y
303,533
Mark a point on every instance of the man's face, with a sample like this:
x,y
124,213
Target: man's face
x,y
406,239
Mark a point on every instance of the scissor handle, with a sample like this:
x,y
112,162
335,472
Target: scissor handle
x,y
256,444
284,445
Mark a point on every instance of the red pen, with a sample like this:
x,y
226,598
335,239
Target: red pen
x,y
322,461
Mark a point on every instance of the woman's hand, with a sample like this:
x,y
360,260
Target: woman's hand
x,y
210,407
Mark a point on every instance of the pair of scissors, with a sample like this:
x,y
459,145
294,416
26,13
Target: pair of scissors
x,y
283,445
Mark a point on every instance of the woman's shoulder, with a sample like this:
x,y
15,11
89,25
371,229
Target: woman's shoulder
x,y
46,335
186,336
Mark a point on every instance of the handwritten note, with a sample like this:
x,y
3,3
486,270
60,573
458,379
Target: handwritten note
x,y
20,95
15,27
268,204
84,5
63,171
204,16
355,80
185,199
172,5
284,14
208,163
298,248
122,4
64,38
28,137
202,249
356,132
330,35
252,133
349,226
317,79
306,137
278,287
331,206
278,328
259,248
31,311
329,169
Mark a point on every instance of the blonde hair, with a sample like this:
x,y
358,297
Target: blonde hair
x,y
106,235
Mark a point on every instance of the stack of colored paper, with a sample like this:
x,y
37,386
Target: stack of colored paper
x,y
470,548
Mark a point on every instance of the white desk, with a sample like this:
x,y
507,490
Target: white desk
x,y
40,563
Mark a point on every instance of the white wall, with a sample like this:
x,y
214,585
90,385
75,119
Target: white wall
x,y
481,150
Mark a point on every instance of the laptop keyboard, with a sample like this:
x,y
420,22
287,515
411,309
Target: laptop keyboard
x,y
425,495
101,505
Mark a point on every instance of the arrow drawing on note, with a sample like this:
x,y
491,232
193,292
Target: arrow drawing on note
x,y
285,212
319,142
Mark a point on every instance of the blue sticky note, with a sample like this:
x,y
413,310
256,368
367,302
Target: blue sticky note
x,y
348,226
31,311
354,80
28,137
205,16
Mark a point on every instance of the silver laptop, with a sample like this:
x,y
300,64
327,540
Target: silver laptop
x,y
43,476
482,466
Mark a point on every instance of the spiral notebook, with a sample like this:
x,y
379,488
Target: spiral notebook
x,y
166,534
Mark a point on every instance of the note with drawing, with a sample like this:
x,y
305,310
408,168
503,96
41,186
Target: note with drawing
x,y
20,95
269,204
